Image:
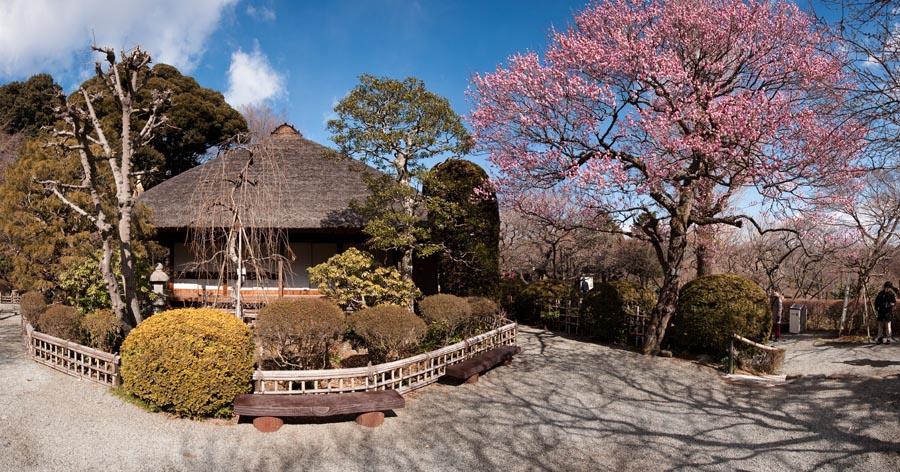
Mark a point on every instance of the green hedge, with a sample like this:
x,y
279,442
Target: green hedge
x,y
712,306
605,309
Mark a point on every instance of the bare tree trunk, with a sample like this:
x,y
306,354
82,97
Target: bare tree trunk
x,y
703,264
124,88
661,314
672,260
112,285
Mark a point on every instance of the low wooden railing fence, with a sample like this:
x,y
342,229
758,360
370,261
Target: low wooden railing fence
x,y
12,297
404,375
73,358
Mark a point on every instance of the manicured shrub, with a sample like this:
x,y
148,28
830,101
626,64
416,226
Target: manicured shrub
x,y
102,330
32,305
354,280
191,362
388,331
606,308
298,333
486,313
61,321
534,302
448,316
712,306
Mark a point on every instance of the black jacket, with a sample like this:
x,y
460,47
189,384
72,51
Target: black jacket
x,y
884,303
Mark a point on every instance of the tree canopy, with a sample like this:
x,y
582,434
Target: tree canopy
x,y
396,126
464,219
198,119
27,106
657,113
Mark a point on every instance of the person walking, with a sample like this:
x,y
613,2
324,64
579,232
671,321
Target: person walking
x,y
776,302
884,307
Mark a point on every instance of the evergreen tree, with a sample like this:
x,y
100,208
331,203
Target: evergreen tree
x,y
464,219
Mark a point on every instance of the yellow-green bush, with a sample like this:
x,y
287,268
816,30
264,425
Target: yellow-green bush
x,y
712,306
388,331
191,362
298,333
605,309
102,330
61,321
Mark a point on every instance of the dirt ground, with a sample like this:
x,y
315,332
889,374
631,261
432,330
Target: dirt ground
x,y
562,405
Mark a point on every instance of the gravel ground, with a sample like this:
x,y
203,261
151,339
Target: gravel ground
x,y
562,405
817,355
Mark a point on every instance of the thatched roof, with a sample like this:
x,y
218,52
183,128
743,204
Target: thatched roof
x,y
293,185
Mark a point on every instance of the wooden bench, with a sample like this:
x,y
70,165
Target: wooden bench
x,y
268,410
469,369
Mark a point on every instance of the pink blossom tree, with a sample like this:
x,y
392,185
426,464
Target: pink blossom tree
x,y
657,113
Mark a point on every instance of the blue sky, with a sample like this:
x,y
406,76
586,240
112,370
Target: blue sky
x,y
297,56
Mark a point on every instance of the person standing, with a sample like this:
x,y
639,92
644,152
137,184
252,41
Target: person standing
x,y
884,306
776,302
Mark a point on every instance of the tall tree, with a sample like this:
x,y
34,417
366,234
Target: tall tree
x,y
197,118
26,107
658,112
464,218
39,235
84,133
396,126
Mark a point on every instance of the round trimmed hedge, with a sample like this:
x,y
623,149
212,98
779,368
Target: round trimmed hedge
x,y
606,307
533,302
61,321
451,312
191,362
31,306
102,330
712,306
298,333
388,331
485,312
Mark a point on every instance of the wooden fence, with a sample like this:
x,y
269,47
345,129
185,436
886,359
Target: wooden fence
x,y
12,297
72,358
567,318
404,375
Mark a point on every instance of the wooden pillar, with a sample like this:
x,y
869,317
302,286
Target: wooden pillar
x,y
280,279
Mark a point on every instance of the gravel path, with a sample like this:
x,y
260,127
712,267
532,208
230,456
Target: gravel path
x,y
562,405
813,354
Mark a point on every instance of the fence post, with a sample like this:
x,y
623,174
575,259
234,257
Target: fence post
x,y
731,353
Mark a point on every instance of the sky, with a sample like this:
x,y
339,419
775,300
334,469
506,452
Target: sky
x,y
296,56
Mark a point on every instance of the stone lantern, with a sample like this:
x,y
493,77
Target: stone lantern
x,y
158,280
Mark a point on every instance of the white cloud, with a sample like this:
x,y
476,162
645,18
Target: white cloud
x,y
261,13
47,35
251,79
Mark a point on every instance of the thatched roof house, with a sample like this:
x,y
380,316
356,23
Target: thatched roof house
x,y
286,183
295,187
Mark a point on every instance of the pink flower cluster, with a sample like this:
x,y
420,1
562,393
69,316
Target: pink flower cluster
x,y
645,104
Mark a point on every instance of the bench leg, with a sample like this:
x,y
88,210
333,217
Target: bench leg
x,y
372,419
267,424
472,379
